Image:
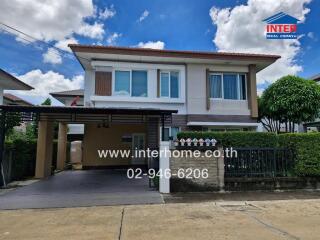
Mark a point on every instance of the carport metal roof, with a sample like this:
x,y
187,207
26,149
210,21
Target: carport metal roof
x,y
85,114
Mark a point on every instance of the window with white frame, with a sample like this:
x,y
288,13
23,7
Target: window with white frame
x,y
169,84
131,83
228,86
169,132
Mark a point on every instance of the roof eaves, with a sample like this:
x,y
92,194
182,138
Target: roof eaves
x,y
169,53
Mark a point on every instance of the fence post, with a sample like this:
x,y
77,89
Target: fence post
x,y
164,166
221,169
274,163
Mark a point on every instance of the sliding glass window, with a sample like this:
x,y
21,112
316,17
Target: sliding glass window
x,y
139,84
231,86
122,83
174,84
164,84
131,83
216,86
169,84
242,87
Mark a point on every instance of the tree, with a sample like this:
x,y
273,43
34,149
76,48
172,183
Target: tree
x,y
46,102
12,120
290,100
34,125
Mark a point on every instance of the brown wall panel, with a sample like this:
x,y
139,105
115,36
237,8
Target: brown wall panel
x,y
103,83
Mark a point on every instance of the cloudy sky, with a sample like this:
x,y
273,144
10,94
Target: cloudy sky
x,y
34,34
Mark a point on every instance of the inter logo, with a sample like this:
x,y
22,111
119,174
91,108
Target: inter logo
x,y
281,26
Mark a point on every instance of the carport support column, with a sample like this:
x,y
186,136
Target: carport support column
x,y
62,146
44,149
164,163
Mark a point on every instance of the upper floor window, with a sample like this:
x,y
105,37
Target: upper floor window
x,y
228,86
169,84
131,83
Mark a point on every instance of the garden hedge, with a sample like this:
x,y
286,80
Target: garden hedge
x,y
306,149
305,146
24,153
23,157
236,139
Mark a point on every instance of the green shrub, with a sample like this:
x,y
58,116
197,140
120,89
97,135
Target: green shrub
x,y
23,157
236,139
306,148
23,153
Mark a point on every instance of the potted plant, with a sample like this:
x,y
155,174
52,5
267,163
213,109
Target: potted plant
x,y
182,141
213,142
195,142
188,141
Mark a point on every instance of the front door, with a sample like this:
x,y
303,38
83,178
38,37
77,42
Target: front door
x,y
138,143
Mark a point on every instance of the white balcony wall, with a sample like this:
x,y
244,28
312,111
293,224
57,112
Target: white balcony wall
x,y
151,101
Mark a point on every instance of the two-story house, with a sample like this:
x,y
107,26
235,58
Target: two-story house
x,y
210,91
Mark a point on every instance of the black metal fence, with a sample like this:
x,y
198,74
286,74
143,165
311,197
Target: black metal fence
x,y
259,163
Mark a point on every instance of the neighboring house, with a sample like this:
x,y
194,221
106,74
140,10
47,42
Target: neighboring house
x,y
10,99
316,78
210,90
68,98
9,82
313,126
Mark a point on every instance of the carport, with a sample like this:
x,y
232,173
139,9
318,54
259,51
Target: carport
x,y
82,189
47,115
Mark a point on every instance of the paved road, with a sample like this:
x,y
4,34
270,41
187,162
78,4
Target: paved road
x,y
82,188
263,220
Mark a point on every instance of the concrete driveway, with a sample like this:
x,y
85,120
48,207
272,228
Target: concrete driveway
x,y
82,188
263,220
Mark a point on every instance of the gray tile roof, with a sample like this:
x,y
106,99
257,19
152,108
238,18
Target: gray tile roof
x,y
77,92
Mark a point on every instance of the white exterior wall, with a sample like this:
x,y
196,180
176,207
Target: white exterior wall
x,y
164,166
196,92
192,95
151,101
88,87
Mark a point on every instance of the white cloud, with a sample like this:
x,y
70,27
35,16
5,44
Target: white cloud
x,y
240,29
44,83
51,20
113,38
312,36
150,44
107,13
143,16
92,31
52,56
63,44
